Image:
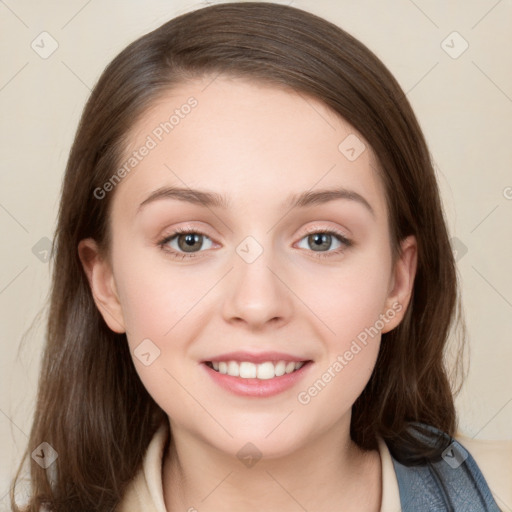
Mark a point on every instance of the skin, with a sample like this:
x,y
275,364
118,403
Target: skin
x,y
256,144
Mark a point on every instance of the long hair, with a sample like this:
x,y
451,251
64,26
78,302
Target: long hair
x,y
91,405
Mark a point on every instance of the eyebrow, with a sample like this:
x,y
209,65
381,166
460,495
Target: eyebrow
x,y
210,199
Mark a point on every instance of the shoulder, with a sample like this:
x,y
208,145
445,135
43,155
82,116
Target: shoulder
x,y
469,474
494,458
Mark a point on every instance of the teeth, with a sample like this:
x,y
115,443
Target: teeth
x,y
266,371
290,367
280,368
263,371
233,369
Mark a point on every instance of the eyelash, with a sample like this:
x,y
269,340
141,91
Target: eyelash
x,y
178,231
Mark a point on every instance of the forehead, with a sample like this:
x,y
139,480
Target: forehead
x,y
254,143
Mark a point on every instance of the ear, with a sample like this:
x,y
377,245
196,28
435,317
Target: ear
x,y
401,283
101,281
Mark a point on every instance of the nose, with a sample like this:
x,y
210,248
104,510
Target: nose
x,y
256,290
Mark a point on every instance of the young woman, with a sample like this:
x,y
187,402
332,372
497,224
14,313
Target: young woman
x,y
253,286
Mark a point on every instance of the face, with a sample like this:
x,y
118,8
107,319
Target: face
x,y
253,277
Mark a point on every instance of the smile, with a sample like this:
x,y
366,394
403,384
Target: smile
x,y
257,380
248,370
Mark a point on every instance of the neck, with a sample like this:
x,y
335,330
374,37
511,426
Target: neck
x,y
331,473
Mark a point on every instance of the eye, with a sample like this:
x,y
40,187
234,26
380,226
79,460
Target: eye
x,y
184,242
322,239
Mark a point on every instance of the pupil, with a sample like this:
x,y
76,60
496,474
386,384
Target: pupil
x,y
321,239
190,240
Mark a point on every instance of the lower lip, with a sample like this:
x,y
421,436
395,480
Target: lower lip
x,y
258,387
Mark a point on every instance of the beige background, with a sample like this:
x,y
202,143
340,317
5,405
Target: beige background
x,y
464,106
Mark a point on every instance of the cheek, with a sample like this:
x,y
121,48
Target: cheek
x,y
347,297
336,385
351,351
349,301
160,305
156,294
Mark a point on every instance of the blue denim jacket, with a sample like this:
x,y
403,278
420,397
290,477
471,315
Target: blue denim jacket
x,y
452,484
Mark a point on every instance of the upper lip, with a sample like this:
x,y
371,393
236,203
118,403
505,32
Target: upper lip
x,y
255,357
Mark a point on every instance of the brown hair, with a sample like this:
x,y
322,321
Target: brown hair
x,y
91,405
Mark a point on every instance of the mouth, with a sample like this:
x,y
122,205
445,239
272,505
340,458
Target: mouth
x,y
262,371
257,374
257,380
